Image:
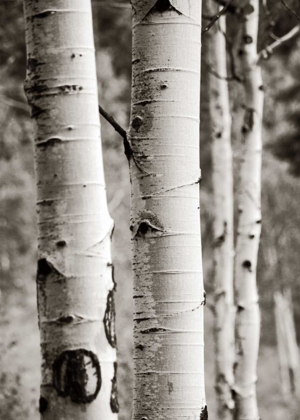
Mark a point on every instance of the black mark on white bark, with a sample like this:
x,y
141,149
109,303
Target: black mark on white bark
x,y
61,244
49,142
114,404
45,268
140,347
248,120
136,123
113,277
44,14
109,320
162,6
204,413
221,239
32,64
153,330
170,387
248,39
247,264
67,319
77,374
43,404
148,222
69,88
36,111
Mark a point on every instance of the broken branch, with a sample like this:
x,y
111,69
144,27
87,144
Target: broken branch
x,y
215,19
266,52
290,10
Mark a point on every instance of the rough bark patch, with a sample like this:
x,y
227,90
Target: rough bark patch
x,y
109,320
77,374
114,403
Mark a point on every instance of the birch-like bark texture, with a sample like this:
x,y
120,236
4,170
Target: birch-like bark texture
x,y
249,225
288,350
222,177
75,285
285,382
165,219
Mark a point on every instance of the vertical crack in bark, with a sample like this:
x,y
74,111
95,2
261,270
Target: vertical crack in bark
x,y
109,320
114,403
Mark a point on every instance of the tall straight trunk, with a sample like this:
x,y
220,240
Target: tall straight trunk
x,y
165,219
288,350
222,177
74,281
249,225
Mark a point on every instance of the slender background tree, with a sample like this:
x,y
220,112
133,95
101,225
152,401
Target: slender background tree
x,y
249,223
222,182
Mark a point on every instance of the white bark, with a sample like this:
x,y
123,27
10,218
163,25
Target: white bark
x,y
288,350
249,226
165,219
74,280
222,176
282,353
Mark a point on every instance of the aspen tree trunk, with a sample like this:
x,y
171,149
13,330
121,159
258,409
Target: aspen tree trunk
x,y
288,350
165,220
74,281
249,225
222,176
282,351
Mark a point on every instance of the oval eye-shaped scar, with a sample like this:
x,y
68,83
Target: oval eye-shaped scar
x,y
77,374
109,320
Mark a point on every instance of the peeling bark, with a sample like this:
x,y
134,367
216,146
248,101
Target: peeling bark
x,y
220,117
249,226
165,220
75,284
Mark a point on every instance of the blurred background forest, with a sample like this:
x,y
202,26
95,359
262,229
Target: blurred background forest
x,y
279,262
